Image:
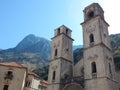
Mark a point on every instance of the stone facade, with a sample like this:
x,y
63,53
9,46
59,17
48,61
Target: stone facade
x,y
61,58
99,68
32,81
9,77
78,68
96,70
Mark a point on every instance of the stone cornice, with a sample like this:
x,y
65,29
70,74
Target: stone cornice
x,y
61,59
99,44
63,34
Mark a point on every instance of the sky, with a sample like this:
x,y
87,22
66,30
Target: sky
x,y
19,18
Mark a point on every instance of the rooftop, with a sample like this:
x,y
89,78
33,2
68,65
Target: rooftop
x,y
13,64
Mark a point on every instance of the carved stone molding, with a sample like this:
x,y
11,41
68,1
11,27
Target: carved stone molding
x,y
93,57
90,29
54,67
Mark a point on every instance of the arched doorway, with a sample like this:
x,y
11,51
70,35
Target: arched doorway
x,y
73,86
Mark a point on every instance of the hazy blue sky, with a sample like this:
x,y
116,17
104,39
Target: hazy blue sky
x,y
19,18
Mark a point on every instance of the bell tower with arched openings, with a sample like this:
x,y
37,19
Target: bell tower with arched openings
x,y
99,69
61,60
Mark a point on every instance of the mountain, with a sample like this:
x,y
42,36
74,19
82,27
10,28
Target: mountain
x,y
32,49
115,40
115,43
77,54
0,49
77,46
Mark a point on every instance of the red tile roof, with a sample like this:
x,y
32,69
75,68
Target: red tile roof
x,y
13,64
44,83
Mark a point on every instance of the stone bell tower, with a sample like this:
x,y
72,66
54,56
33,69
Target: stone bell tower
x,y
99,69
61,60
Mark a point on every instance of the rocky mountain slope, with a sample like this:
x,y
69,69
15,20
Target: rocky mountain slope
x,y
115,42
31,49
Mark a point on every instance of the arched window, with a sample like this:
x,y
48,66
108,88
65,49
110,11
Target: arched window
x,y
58,32
91,38
90,14
110,69
27,84
66,76
94,67
5,87
9,75
82,70
66,31
54,74
56,52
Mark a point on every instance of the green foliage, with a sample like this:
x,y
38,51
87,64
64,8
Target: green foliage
x,y
42,72
117,61
115,43
77,54
115,40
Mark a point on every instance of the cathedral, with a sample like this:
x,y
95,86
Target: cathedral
x,y
96,70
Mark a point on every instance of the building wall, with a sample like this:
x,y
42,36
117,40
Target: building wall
x,y
63,44
17,83
42,88
33,83
61,61
78,68
54,66
118,78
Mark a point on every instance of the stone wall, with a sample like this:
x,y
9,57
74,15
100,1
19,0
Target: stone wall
x,y
18,80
